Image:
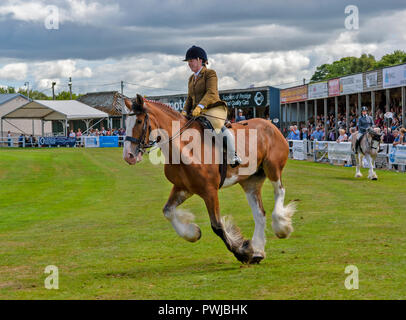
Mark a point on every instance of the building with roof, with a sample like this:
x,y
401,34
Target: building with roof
x,y
10,102
382,90
111,102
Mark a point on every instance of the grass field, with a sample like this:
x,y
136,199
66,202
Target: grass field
x,y
100,222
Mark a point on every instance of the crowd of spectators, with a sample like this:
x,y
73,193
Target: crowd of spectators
x,y
338,131
97,132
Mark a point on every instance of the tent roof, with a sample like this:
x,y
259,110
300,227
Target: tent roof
x,y
55,110
5,97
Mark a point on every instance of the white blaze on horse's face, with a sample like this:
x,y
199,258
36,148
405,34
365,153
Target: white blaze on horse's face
x,y
129,149
375,144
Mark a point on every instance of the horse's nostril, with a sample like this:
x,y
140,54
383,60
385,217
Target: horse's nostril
x,y
130,155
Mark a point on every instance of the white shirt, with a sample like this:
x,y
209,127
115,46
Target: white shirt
x,y
196,75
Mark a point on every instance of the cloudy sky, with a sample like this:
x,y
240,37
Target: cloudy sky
x,y
100,42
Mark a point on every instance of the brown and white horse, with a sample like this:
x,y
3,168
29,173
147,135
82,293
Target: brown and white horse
x,y
148,117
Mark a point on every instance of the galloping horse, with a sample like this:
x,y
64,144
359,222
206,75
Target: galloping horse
x,y
368,147
203,179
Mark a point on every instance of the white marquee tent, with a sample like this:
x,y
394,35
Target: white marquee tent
x,y
62,110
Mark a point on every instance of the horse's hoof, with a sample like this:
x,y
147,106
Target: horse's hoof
x,y
245,253
374,178
195,235
256,259
358,176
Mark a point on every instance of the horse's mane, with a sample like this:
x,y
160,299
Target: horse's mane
x,y
165,107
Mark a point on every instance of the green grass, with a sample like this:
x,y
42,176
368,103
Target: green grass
x,y
100,221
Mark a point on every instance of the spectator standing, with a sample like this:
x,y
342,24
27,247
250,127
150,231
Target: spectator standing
x,y
342,137
402,139
387,136
9,138
304,134
240,116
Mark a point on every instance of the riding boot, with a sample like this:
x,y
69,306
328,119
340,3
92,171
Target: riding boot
x,y
232,158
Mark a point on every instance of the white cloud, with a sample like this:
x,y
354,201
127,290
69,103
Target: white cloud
x,y
14,71
378,36
59,69
79,11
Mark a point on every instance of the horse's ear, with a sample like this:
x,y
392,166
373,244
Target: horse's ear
x,y
139,100
138,104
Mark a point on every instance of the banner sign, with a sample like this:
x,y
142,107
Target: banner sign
x,y
108,141
90,141
340,151
397,155
245,99
177,104
334,87
294,94
394,76
299,149
371,79
351,84
56,141
318,90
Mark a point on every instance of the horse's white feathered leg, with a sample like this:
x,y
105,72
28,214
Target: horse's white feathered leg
x,y
371,163
359,158
258,239
281,215
181,220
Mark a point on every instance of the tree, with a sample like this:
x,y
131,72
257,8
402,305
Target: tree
x,y
350,65
65,95
344,66
397,57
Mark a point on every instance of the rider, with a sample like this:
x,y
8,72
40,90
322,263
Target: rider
x,y
364,123
204,100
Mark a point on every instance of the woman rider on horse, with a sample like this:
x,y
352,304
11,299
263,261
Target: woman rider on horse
x,y
204,100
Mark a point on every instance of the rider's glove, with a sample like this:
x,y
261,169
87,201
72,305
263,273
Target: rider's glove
x,y
196,111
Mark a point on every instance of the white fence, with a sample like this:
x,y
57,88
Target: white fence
x,y
341,153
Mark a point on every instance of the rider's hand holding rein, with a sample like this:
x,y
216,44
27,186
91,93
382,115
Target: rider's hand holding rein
x,y
196,111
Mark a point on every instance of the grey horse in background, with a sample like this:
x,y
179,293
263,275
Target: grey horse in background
x,y
367,146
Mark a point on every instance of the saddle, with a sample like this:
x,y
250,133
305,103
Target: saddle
x,y
206,124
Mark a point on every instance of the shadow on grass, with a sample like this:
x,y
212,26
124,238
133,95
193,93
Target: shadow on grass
x,y
168,271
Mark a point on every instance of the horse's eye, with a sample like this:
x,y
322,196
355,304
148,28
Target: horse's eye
x,y
139,121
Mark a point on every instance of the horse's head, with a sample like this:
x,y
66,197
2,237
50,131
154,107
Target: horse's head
x,y
374,138
137,130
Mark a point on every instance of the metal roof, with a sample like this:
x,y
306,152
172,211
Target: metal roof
x,y
55,110
5,97
111,102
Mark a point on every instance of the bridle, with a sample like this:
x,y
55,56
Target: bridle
x,y
141,141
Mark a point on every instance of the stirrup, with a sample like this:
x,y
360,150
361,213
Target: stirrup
x,y
236,161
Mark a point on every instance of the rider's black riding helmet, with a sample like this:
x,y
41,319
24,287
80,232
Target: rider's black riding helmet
x,y
196,52
364,108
